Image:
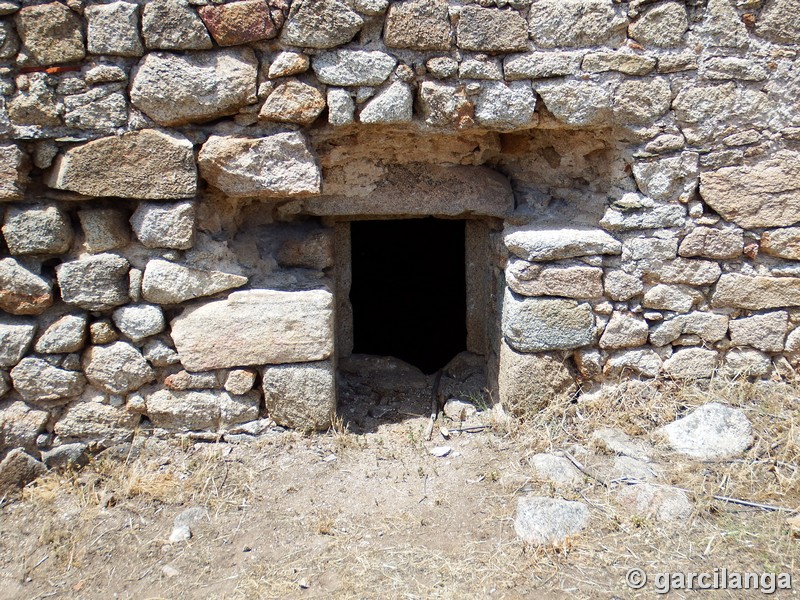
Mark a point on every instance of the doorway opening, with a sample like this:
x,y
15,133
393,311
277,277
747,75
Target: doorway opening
x,y
409,290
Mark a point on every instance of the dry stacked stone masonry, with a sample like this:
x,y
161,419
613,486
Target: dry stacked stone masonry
x,y
177,180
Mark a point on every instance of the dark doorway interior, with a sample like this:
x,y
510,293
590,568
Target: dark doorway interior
x,y
409,290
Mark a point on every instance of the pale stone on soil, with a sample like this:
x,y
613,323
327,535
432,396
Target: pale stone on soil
x,y
117,368
548,521
765,332
418,25
96,282
557,470
23,292
624,330
175,89
277,166
256,327
87,420
293,102
353,67
574,23
754,293
691,363
173,25
783,243
542,324
531,243
491,30
320,24
713,431
14,168
651,501
765,194
302,396
64,335
51,33
39,381
160,225
528,382
617,441
139,321
37,230
166,282
16,336
570,281
147,164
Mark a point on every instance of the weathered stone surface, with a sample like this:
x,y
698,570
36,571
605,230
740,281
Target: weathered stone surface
x,y
639,102
51,33
662,26
16,336
166,282
713,431
557,470
708,326
174,89
721,25
102,332
256,327
731,67
421,189
17,470
783,243
104,229
577,103
619,285
765,194
341,107
691,363
642,361
293,102
173,25
714,243
240,381
689,271
491,30
574,23
147,164
617,441
37,229
159,225
99,108
320,24
242,22
534,243
442,67
198,410
624,330
302,396
65,455
418,25
117,368
159,354
289,63
754,293
20,425
113,29
480,69
548,521
9,42
353,67
744,362
276,166
765,332
92,421
35,106
650,501
393,105
538,65
95,282
23,292
38,381
506,106
779,22
671,297
653,217
623,62
64,335
570,281
139,321
542,324
183,380
529,382
442,104
14,168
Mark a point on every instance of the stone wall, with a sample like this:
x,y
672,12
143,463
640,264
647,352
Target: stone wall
x,y
172,174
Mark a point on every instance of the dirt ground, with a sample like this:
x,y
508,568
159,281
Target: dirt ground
x,y
367,511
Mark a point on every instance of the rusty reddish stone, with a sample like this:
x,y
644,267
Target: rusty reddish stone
x,y
245,21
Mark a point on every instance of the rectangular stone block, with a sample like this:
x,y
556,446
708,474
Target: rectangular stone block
x,y
742,291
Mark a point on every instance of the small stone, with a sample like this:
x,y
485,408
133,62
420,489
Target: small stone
x,y
173,25
37,230
765,332
542,324
642,361
66,455
102,332
183,380
617,441
570,281
87,420
755,293
320,24
557,470
117,368
166,282
301,396
23,292
480,69
159,354
240,381
442,67
623,62
66,334
624,330
743,362
548,521
459,410
709,327
14,168
637,102
160,225
17,470
538,65
577,103
719,67
670,297
96,282
38,381
722,26
243,22
393,105
505,107
621,286
114,29
341,107
353,67
103,229
536,244
491,30
418,25
711,432
293,102
103,74
662,26
51,33
714,243
691,363
371,7
289,63
651,501
139,321
689,271
21,426
200,410
782,243
576,23
779,23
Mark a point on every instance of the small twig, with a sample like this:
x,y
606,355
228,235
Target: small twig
x,y
584,470
39,563
770,507
473,429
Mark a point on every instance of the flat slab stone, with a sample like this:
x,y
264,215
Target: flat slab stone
x,y
550,521
418,189
713,431
532,243
147,164
743,291
256,327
